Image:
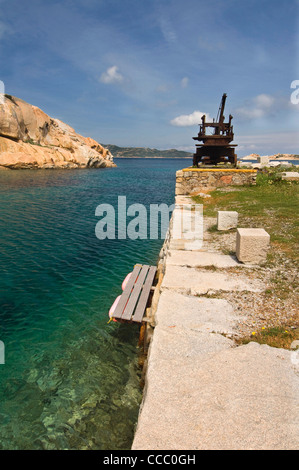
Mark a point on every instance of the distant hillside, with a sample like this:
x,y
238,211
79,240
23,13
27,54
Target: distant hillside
x,y
141,152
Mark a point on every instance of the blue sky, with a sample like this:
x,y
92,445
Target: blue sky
x,y
141,72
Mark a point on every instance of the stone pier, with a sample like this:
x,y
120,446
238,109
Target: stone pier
x,y
201,391
191,181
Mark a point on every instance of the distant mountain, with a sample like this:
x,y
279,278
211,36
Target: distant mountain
x,y
142,152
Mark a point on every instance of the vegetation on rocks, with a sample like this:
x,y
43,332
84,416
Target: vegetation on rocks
x,y
277,337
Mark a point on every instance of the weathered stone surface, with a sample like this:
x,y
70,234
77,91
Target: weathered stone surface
x,y
195,282
200,258
194,313
291,176
226,179
227,220
202,392
193,181
29,138
252,245
263,160
241,398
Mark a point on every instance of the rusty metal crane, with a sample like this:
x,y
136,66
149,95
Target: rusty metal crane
x,y
216,147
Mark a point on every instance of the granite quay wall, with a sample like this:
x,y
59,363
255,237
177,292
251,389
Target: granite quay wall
x,y
191,181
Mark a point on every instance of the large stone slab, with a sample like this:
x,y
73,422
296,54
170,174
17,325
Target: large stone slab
x,y
243,398
190,245
184,345
201,258
194,313
197,282
291,176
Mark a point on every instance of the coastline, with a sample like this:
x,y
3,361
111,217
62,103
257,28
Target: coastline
x,y
153,158
190,158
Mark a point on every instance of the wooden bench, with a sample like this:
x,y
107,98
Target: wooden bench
x,y
133,301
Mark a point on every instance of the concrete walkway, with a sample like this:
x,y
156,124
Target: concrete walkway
x,y
203,392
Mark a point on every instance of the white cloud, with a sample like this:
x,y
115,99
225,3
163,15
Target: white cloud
x,y
184,82
167,30
258,107
189,119
112,75
264,101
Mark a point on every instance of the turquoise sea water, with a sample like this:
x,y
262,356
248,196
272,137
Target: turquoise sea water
x,y
70,380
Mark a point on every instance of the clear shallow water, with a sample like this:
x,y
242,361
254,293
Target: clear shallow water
x,y
70,380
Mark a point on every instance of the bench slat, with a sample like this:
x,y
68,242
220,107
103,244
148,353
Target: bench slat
x,y
129,308
126,293
142,302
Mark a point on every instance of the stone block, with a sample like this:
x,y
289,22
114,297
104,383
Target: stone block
x,y
227,220
252,245
179,190
290,176
263,160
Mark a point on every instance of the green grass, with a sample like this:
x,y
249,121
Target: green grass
x,y
214,229
272,204
277,337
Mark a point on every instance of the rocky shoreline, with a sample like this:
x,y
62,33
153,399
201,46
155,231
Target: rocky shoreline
x,y
30,139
